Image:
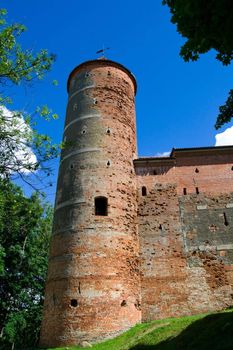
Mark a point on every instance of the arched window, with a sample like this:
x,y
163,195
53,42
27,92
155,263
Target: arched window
x,y
101,206
143,190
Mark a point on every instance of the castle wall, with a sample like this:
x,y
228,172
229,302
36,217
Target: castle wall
x,y
159,241
185,240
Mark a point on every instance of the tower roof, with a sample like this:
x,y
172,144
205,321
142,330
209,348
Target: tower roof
x,y
103,62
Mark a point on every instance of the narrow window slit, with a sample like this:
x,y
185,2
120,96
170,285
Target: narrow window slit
x,y
197,190
144,191
226,223
196,170
184,191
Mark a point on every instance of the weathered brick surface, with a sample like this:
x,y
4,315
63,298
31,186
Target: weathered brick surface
x,y
94,259
186,245
164,249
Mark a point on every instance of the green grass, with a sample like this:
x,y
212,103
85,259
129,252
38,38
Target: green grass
x,y
199,332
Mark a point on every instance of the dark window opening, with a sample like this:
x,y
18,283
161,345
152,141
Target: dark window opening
x,y
160,227
196,170
123,303
71,166
108,131
108,163
101,206
109,73
144,192
74,302
184,191
232,167
155,172
137,305
226,223
84,131
197,190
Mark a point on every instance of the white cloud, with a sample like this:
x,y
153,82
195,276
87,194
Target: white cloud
x,y
14,149
163,154
224,138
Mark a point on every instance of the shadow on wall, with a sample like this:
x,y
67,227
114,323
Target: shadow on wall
x,y
213,332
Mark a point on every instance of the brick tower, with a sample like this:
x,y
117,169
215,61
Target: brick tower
x,y
93,285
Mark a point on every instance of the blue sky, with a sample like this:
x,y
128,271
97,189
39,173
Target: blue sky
x,y
177,102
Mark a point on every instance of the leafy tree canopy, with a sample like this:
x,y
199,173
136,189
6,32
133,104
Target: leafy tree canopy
x,y
206,25
25,223
19,138
25,228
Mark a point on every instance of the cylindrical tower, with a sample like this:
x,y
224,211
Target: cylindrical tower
x,y
93,284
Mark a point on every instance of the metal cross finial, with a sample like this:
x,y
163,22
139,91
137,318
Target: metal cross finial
x,y
102,51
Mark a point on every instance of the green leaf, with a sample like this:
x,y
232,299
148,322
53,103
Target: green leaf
x,y
55,82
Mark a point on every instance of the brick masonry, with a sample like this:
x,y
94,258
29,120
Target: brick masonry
x,y
165,247
186,240
93,284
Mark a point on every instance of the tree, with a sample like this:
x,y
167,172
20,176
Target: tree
x,y
19,139
25,228
206,25
25,223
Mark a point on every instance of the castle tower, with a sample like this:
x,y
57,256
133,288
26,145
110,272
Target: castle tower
x,y
93,284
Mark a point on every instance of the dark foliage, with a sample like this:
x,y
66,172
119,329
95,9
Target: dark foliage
x,y
206,25
25,226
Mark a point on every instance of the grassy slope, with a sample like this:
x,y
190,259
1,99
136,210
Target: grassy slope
x,y
199,332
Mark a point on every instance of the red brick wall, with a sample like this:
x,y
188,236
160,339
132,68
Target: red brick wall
x,y
166,253
186,250
214,174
